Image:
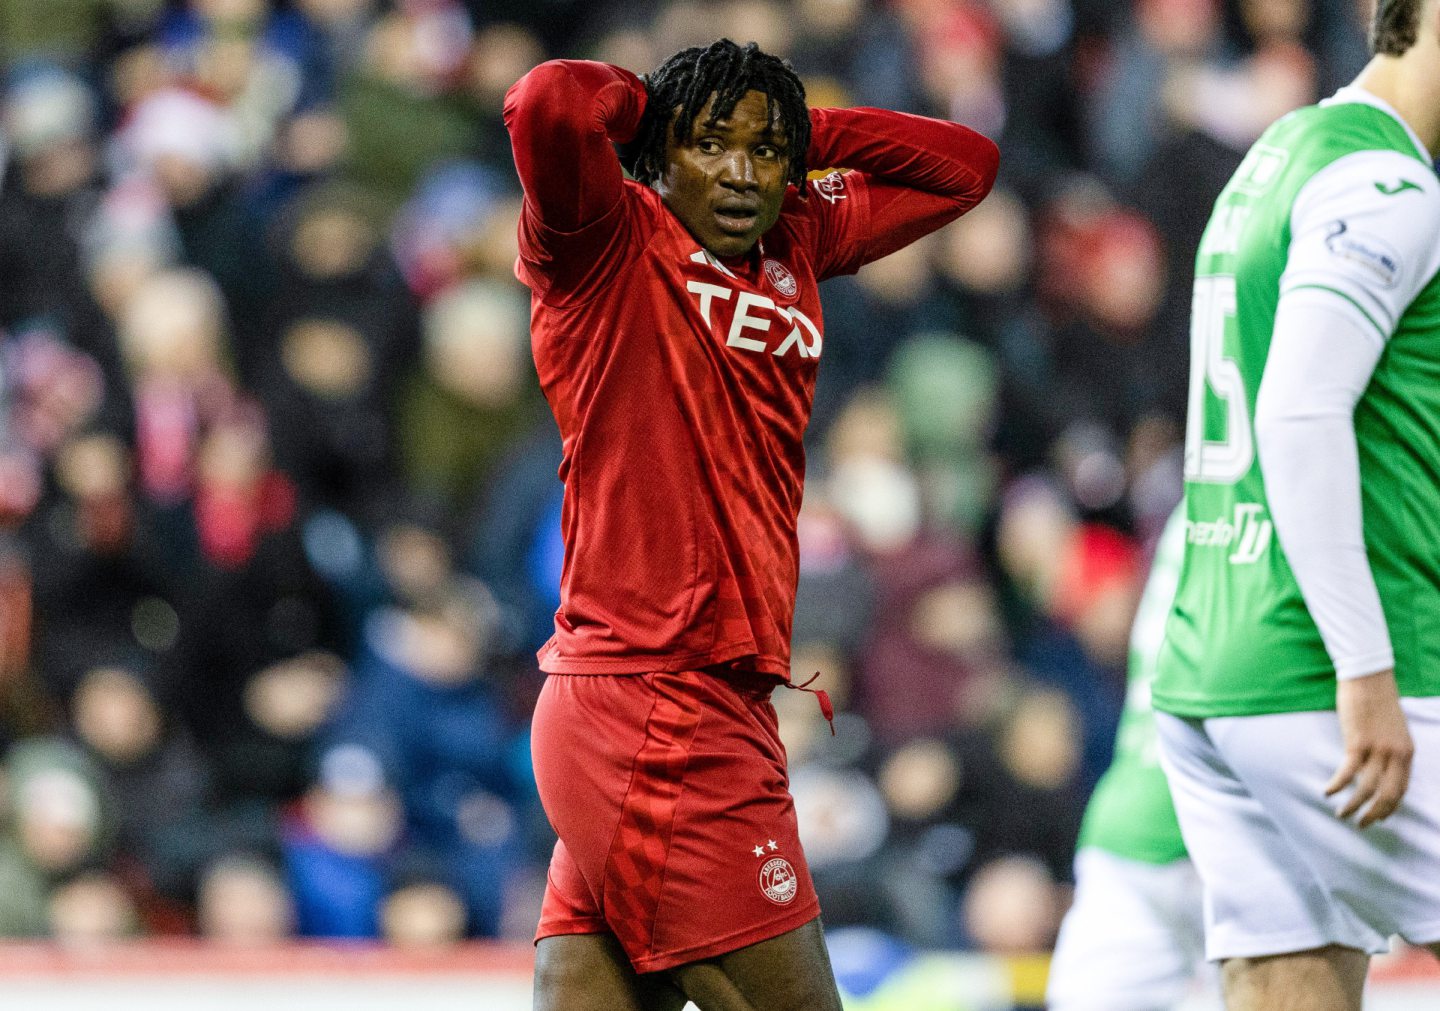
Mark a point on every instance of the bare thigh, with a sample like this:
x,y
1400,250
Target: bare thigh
x,y
1322,979
790,972
589,972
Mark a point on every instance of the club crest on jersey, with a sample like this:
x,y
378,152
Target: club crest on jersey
x,y
778,881
780,278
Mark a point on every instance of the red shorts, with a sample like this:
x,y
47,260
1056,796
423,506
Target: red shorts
x,y
677,829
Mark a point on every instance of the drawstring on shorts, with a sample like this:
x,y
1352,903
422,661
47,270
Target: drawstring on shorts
x,y
827,709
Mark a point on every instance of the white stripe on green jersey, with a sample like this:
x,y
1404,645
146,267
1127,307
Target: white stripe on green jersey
x,y
1130,813
1338,198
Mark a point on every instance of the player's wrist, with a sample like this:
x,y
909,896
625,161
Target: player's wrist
x,y
1363,693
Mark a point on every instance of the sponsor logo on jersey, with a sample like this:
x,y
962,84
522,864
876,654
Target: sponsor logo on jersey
x,y
706,258
1248,532
831,187
750,323
1374,256
1398,188
778,881
779,275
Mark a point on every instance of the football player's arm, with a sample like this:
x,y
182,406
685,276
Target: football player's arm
x,y
562,117
920,173
1321,359
1357,258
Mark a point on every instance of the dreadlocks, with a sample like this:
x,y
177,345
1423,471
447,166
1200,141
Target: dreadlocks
x,y
684,83
1395,27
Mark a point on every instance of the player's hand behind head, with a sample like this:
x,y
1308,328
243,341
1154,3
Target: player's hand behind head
x,y
1378,748
629,151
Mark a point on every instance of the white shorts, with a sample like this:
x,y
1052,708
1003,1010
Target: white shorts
x,y
1132,941
1281,873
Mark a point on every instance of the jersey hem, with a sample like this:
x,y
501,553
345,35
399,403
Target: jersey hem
x,y
1149,859
1196,709
1201,709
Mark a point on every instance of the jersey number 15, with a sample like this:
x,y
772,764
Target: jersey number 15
x,y
1226,460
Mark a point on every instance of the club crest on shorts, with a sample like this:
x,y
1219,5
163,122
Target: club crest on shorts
x,y
778,881
779,275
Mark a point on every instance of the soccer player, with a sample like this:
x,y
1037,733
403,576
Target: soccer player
x,y
1300,673
677,329
1133,939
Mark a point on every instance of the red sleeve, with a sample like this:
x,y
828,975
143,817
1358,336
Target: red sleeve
x,y
562,118
909,175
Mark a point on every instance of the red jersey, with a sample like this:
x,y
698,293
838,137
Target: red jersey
x,y
682,384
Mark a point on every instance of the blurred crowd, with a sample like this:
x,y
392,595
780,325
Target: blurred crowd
x,y
278,505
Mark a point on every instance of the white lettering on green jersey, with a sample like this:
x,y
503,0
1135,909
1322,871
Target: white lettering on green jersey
x,y
1339,197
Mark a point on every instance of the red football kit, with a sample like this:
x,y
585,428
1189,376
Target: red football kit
x,y
682,385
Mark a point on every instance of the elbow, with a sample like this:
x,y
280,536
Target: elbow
x,y
1269,438
529,98
988,165
1276,428
977,163
1291,434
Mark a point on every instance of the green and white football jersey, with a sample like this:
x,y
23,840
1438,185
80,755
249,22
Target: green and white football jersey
x,y
1339,198
1130,813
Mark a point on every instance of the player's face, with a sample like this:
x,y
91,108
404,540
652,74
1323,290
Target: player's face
x,y
726,181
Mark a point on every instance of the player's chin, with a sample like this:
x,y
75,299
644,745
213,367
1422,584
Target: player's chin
x,y
727,246
732,241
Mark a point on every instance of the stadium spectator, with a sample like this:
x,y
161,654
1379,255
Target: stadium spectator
x,y
149,766
473,395
49,118
424,703
242,901
337,844
58,825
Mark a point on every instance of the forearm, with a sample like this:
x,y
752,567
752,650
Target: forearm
x,y
1319,364
562,118
929,155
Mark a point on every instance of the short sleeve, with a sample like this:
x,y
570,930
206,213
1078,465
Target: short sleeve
x,y
1367,228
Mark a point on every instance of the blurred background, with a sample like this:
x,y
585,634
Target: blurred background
x,y
278,505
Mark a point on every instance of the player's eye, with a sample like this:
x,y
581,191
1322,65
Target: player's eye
x,y
709,145
767,151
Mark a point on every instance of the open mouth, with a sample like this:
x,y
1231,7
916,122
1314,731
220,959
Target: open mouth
x,y
736,219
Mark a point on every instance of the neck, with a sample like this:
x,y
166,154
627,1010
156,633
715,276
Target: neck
x,y
1411,86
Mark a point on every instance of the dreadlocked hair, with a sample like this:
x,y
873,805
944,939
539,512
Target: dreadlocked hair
x,y
680,87
1395,27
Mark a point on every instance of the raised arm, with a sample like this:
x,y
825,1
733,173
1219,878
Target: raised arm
x,y
562,117
922,173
